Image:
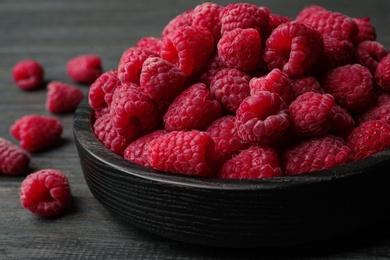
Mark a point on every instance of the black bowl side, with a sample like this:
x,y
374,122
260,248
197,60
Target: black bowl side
x,y
232,213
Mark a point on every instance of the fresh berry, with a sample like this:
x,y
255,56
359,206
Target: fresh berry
x,y
45,192
379,112
13,160
382,73
240,48
62,97
213,66
252,163
342,122
150,43
316,154
181,20
137,151
28,74
183,152
351,85
369,53
207,15
367,31
230,87
293,48
188,48
310,114
308,11
275,20
384,98
36,132
262,118
84,68
194,108
302,85
275,81
369,138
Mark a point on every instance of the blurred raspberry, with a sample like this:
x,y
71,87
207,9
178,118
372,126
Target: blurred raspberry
x,y
84,68
207,15
381,111
308,11
252,163
181,20
382,73
213,66
293,48
369,53
305,84
62,97
367,31
28,74
150,43
13,159
275,20
342,122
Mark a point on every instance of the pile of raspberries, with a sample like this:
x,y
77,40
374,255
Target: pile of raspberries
x,y
239,92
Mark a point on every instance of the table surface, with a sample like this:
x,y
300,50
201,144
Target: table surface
x,y
52,31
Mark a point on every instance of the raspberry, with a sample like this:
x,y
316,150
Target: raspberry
x,y
150,43
310,114
240,48
62,97
107,134
230,87
383,98
45,192
275,81
342,122
379,112
262,118
351,85
305,84
13,160
137,151
316,154
369,53
369,138
306,12
181,20
130,64
132,112
275,20
254,162
213,66
382,73
101,91
28,74
367,31
84,68
36,133
183,152
207,15
188,48
293,48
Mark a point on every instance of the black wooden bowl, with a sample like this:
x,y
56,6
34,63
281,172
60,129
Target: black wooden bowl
x,y
235,213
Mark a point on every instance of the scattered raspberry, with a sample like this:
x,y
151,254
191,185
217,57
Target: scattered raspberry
x,y
181,20
188,48
367,31
62,97
213,66
240,48
13,160
252,163
316,154
36,132
310,114
84,68
369,138
379,112
305,84
207,15
192,109
293,48
183,152
45,192
351,85
28,74
342,122
262,118
150,43
369,53
382,73
230,87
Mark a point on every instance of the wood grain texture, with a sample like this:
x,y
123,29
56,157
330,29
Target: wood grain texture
x,y
52,31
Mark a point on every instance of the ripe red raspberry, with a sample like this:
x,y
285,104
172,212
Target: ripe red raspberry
x,y
293,48
13,160
369,53
305,84
132,112
275,20
310,114
28,74
188,48
240,48
194,108
383,98
183,152
84,68
342,122
137,151
181,20
381,111
316,154
150,43
130,64
367,31
275,81
262,118
382,73
213,66
101,91
230,87
108,135
252,163
207,15
351,85
45,192
36,132
62,97
369,138
308,11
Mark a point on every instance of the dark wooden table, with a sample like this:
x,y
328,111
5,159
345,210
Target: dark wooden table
x,y
52,31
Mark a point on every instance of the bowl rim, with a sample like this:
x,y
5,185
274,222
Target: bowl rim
x,y
85,139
